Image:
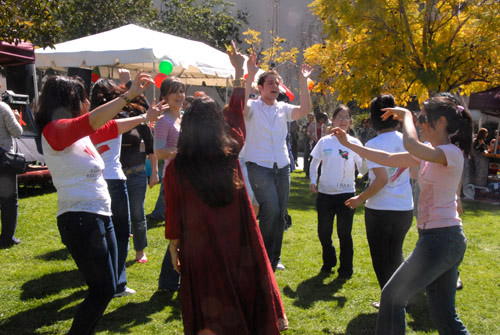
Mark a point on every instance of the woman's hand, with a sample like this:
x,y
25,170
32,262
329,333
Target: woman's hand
x,y
398,113
153,180
353,202
306,70
313,188
174,255
341,135
139,84
236,59
155,112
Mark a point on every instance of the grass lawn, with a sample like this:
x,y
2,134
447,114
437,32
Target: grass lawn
x,y
40,286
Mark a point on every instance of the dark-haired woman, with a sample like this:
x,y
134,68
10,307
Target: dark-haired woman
x,y
166,134
84,204
336,185
227,283
389,200
433,264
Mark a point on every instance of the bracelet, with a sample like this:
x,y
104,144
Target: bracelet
x,y
239,83
144,118
127,99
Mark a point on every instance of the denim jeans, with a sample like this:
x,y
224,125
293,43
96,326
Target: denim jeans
x,y
158,212
271,188
9,206
137,184
91,241
386,231
328,206
432,265
169,278
119,207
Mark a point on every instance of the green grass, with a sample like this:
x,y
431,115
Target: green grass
x,y
40,286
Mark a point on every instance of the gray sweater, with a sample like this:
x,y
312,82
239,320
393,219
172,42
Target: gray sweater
x,y
9,127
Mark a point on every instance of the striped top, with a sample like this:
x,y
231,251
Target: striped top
x,y
166,134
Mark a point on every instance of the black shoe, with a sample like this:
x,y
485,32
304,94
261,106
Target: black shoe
x,y
326,269
345,275
10,243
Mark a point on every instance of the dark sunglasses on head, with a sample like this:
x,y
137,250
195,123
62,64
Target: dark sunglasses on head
x,y
423,118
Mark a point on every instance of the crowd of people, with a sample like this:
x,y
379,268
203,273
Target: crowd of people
x,y
225,187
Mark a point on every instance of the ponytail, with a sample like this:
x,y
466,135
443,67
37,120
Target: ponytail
x,y
463,136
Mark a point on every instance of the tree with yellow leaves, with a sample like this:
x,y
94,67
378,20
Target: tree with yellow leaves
x,y
409,48
273,56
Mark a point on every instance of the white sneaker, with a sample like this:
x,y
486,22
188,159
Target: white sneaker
x,y
127,291
280,266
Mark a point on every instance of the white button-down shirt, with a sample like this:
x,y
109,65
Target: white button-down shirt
x,y
266,128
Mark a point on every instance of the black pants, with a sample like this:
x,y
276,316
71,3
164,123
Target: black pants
x,y
8,205
386,231
328,206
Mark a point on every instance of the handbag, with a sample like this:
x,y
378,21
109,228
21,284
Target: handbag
x,y
12,162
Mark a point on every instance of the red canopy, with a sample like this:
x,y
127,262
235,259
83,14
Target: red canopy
x,y
487,101
11,54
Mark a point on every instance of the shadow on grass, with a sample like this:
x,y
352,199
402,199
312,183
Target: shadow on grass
x,y
419,311
32,191
30,321
132,314
56,255
50,284
314,289
363,324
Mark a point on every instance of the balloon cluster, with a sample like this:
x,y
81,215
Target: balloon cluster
x,y
166,68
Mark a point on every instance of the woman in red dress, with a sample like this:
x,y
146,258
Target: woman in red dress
x,y
227,283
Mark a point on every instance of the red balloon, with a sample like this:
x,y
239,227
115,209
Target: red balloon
x,y
159,78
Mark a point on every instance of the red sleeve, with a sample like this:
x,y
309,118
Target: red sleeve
x,y
173,224
105,133
235,117
62,133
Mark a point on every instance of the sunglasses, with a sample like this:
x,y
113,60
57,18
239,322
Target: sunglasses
x,y
423,118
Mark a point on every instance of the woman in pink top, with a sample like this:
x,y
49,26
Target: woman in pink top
x,y
166,134
433,264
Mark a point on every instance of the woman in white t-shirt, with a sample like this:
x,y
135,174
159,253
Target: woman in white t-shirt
x,y
389,198
336,185
433,264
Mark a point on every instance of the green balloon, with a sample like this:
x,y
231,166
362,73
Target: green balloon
x,y
166,67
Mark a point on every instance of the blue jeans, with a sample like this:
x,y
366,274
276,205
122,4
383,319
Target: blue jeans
x,y
9,206
327,206
158,212
117,189
137,184
271,188
91,241
169,278
432,265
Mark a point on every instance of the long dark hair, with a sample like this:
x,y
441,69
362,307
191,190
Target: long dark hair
x,y
207,154
61,97
104,90
459,121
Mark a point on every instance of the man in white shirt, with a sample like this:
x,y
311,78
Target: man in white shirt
x,y
266,153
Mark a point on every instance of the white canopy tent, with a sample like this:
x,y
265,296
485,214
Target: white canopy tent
x,y
136,48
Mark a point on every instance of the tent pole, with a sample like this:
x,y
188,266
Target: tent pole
x,y
227,89
154,87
